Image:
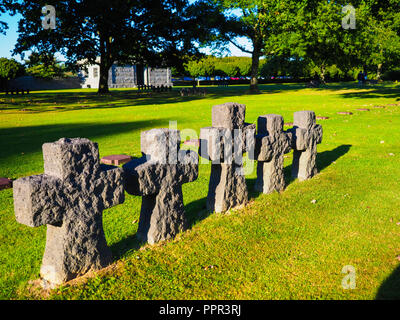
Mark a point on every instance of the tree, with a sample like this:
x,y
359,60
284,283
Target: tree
x,y
44,66
105,32
244,65
382,36
315,35
229,69
9,69
201,68
281,65
257,21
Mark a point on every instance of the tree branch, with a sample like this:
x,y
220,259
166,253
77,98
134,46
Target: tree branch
x,y
240,47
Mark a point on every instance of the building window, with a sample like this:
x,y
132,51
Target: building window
x,y
95,72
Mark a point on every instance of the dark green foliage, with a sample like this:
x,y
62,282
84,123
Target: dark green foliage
x,y
393,75
9,69
154,32
45,66
257,21
315,34
212,66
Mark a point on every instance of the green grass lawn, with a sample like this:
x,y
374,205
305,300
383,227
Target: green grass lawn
x,y
281,246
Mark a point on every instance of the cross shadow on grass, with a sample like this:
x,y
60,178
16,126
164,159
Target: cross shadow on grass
x,y
125,246
390,288
197,211
324,159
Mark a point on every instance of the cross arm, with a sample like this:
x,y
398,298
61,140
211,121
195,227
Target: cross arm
x,y
226,145
142,177
188,166
248,134
39,200
212,142
318,133
263,148
110,186
287,138
299,138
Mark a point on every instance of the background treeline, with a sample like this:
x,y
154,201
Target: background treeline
x,y
39,66
277,68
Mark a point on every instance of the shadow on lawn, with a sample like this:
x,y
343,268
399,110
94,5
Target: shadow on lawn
x,y
390,288
125,246
324,159
373,93
197,211
23,140
66,101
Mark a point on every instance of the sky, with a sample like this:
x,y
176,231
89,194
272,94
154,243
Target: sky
x,y
7,42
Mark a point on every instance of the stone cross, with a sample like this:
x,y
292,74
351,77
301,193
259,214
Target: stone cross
x,y
70,197
158,177
271,145
306,135
224,144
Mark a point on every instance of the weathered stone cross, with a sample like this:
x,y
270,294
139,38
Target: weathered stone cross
x,y
271,145
158,177
306,135
224,144
70,197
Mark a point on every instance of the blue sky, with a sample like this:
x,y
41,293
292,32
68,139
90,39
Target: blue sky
x,y
7,42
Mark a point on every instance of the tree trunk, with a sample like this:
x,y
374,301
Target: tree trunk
x,y
255,62
322,75
379,72
105,65
103,81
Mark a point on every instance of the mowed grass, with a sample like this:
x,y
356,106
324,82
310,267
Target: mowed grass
x,y
281,246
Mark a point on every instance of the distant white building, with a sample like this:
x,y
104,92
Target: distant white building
x,y
127,76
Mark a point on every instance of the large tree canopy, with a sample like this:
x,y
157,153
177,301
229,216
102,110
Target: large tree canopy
x,y
315,35
152,32
255,20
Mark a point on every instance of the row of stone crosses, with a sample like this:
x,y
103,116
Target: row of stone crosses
x,y
75,188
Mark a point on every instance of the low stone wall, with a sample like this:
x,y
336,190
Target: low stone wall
x,y
34,84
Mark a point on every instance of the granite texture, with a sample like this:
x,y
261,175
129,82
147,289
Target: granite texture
x,y
224,144
271,145
162,214
306,135
70,197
